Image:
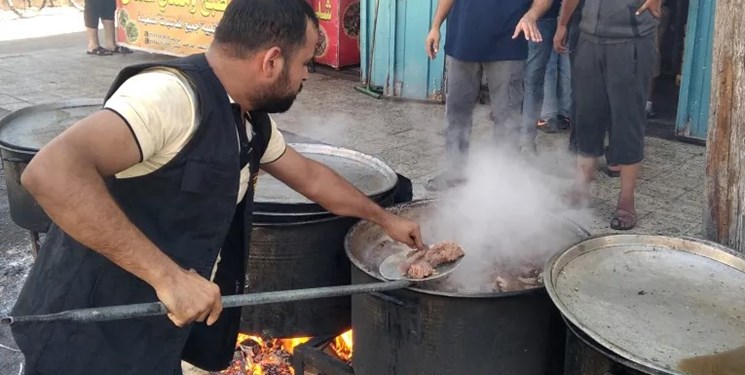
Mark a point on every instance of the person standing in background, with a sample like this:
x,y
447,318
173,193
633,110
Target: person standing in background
x,y
103,10
664,22
611,77
557,93
482,39
539,55
565,43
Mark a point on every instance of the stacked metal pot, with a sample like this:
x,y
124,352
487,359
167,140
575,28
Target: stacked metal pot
x,y
296,244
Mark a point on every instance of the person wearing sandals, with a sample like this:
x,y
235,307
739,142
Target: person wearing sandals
x,y
612,72
101,10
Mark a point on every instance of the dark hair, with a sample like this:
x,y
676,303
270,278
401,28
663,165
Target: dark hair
x,y
250,25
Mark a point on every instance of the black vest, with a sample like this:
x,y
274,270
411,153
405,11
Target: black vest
x,y
188,209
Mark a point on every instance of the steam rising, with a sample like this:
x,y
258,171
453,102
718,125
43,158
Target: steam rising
x,y
511,213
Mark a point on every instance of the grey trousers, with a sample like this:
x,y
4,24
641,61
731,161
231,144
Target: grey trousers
x,y
505,81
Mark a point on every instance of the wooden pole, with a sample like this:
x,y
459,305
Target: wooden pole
x,y
724,210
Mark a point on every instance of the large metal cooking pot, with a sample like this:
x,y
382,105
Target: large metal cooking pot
x,y
298,245
434,329
649,304
22,134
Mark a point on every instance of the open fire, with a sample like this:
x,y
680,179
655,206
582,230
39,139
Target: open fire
x,y
257,356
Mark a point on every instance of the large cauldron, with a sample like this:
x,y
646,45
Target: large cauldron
x,y
297,244
22,134
650,304
430,330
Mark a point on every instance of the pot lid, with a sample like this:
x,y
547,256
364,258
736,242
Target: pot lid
x,y
31,128
368,174
654,300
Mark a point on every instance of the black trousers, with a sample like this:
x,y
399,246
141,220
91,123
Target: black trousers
x,y
98,9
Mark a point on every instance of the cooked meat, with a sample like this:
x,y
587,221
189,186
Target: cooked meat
x,y
443,252
420,270
421,263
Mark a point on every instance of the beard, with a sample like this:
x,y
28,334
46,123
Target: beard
x,y
277,98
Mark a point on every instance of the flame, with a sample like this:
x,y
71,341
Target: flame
x,y
269,350
290,344
343,345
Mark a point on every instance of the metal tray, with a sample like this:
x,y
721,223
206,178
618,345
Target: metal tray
x,y
654,300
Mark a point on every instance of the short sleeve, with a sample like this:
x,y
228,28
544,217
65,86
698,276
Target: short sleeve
x,y
276,147
158,108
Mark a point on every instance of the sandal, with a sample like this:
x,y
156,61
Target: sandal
x,y
121,49
100,51
623,220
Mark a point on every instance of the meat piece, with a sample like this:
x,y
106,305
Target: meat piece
x,y
413,257
443,252
420,270
420,264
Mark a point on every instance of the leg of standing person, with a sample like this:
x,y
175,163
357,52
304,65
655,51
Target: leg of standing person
x,y
90,16
108,8
550,86
539,55
505,82
592,113
661,28
573,34
462,89
564,92
630,67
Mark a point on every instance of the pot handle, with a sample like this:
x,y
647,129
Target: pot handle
x,y
386,298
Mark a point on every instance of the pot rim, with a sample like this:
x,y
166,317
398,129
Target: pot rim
x,y
7,119
427,201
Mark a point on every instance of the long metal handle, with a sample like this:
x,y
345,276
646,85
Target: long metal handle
x,y
251,299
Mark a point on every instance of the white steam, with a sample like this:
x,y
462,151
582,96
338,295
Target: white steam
x,y
512,212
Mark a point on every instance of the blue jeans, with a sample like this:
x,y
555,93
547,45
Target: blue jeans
x,y
557,87
539,55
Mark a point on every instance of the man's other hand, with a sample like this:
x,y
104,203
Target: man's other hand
x,y
190,297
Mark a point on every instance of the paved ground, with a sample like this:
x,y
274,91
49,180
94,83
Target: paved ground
x,y
405,135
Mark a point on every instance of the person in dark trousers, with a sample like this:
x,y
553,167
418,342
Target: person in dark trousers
x,y
151,199
103,10
482,39
612,72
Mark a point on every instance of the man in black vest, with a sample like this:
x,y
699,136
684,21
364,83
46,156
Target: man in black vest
x,y
150,197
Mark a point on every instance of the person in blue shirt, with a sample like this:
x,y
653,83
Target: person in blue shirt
x,y
483,38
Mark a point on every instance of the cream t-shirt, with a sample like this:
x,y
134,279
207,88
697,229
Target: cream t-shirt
x,y
161,108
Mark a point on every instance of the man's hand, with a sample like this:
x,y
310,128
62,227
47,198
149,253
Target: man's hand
x,y
402,230
529,27
190,297
560,39
432,44
653,6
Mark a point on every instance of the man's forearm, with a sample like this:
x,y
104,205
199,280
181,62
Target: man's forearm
x,y
539,8
77,200
339,197
567,10
443,9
